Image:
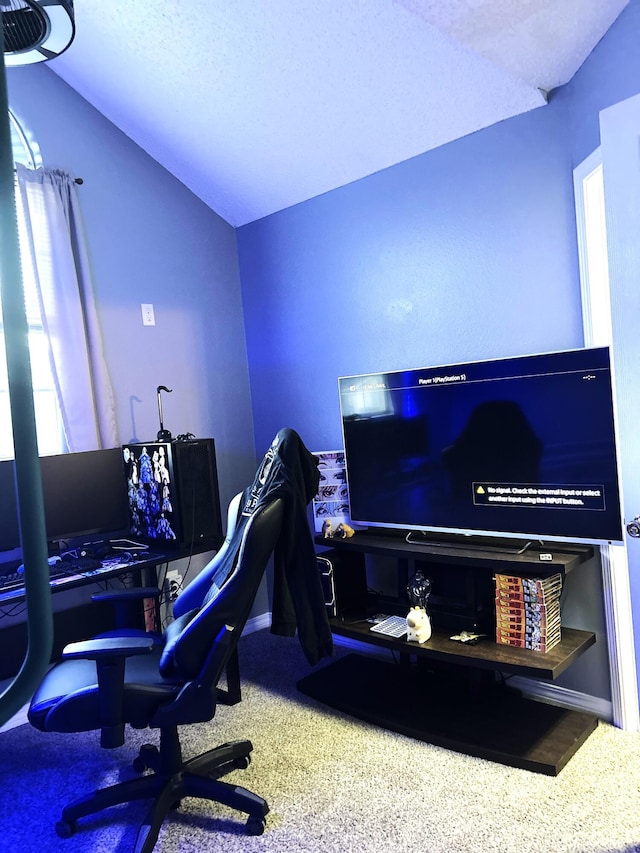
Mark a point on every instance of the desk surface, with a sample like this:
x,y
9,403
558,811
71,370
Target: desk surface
x,y
112,565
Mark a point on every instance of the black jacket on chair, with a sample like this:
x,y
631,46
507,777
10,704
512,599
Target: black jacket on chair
x,y
289,471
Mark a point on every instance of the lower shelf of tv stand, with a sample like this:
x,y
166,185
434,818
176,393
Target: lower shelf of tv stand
x,y
486,655
498,724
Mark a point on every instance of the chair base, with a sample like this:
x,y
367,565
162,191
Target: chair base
x,y
171,781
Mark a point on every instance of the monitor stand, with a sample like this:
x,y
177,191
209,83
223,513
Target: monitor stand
x,y
477,543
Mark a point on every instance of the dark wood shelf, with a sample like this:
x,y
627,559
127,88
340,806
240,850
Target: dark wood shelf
x,y
486,654
445,692
498,725
485,555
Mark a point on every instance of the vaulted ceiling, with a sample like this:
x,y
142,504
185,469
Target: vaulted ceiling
x,y
256,105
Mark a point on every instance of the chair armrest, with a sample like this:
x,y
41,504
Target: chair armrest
x,y
104,648
109,654
126,603
132,594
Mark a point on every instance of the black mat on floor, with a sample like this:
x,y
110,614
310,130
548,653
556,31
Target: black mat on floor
x,y
495,722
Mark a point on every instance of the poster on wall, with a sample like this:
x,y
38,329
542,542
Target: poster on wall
x,y
331,505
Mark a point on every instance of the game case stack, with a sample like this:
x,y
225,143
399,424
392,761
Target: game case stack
x,y
528,611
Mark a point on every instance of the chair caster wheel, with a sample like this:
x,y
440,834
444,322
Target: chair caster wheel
x,y
242,763
145,758
138,765
256,825
65,829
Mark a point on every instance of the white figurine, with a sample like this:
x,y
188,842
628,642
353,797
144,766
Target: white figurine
x,y
418,625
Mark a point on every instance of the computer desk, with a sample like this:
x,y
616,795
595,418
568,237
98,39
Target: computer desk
x,y
113,565
80,622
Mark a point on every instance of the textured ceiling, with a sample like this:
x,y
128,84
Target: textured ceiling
x,y
256,105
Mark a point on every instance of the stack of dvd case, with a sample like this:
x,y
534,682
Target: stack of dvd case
x,y
528,611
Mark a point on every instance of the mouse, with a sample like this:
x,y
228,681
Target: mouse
x,y
128,557
51,561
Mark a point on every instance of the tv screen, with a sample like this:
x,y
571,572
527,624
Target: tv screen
x,y
9,526
517,447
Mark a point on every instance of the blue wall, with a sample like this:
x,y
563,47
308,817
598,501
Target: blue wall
x,y
151,240
610,74
463,253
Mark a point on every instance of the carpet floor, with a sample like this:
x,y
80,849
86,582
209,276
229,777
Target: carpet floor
x,y
333,783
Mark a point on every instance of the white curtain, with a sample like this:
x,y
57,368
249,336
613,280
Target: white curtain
x,y
58,254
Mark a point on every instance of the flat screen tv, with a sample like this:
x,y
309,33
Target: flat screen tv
x,y
518,447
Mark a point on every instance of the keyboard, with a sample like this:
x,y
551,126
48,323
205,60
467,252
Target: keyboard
x,y
392,626
61,569
11,581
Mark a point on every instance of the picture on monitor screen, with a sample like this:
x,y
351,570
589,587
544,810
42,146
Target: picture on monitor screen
x,y
151,491
520,447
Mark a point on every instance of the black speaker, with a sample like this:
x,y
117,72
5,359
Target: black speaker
x,y
196,480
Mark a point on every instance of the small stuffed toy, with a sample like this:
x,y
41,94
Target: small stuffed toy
x,y
327,529
418,625
344,531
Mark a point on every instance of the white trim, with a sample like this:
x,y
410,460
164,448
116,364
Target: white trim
x,y
620,640
18,719
257,623
625,712
580,174
556,695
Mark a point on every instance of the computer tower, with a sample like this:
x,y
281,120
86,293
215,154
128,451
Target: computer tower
x,y
197,491
172,490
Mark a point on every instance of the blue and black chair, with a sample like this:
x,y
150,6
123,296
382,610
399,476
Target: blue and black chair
x,y
108,682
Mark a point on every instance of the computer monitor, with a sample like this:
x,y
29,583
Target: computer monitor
x,y
9,527
84,495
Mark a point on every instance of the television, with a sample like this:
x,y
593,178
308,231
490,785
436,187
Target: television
x,y
84,495
9,526
520,447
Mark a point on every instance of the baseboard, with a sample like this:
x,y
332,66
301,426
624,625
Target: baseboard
x,y
18,719
543,690
564,697
257,623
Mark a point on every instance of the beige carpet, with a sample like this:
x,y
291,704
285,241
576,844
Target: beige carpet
x,y
333,784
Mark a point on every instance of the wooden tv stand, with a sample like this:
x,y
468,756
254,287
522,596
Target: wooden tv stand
x,y
445,692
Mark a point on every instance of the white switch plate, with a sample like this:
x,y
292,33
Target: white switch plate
x,y
148,317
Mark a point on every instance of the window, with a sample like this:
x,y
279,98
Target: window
x,y
48,420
